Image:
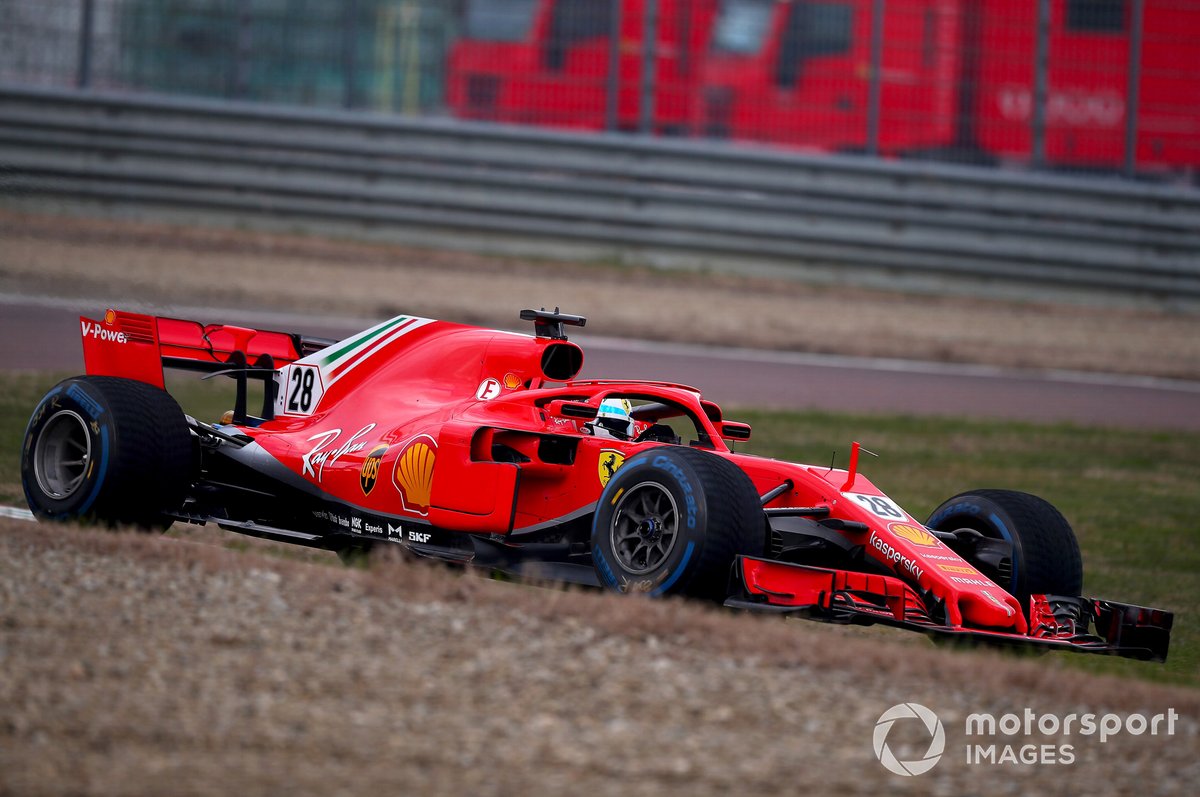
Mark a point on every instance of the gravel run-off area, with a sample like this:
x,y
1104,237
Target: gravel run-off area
x,y
201,663
132,664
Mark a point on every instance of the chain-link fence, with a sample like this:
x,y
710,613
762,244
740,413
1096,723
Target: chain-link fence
x,y
386,55
1103,85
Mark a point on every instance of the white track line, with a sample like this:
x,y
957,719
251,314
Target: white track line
x,y
16,513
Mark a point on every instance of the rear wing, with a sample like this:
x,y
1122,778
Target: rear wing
x,y
139,347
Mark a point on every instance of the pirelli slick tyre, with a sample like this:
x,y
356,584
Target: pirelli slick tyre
x,y
1046,558
672,520
107,451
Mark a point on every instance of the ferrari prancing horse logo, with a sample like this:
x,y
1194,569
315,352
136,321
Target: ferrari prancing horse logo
x,y
610,462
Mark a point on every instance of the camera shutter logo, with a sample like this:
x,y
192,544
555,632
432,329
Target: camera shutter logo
x,y
937,743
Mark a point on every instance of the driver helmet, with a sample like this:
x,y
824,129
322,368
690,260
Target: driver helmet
x,y
614,420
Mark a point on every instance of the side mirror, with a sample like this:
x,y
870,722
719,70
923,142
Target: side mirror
x,y
735,431
572,409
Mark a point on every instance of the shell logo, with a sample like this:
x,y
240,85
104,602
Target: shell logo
x,y
413,473
512,381
914,534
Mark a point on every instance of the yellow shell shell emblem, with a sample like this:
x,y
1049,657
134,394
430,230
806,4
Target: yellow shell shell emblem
x,y
914,534
414,474
610,462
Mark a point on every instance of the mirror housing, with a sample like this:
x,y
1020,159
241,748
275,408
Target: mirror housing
x,y
575,410
735,431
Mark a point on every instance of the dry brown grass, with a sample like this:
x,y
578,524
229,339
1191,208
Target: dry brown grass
x,y
122,260
144,665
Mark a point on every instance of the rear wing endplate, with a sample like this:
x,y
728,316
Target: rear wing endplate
x,y
137,346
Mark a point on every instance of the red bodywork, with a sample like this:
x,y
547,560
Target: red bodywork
x,y
417,427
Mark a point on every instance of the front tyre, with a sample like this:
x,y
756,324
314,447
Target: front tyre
x,y
672,521
1045,553
106,450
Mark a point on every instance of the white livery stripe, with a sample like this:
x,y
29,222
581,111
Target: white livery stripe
x,y
376,347
337,360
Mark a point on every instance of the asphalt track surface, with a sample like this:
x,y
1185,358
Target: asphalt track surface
x,y
41,333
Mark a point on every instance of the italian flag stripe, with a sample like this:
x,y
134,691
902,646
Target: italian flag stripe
x,y
360,340
356,357
339,359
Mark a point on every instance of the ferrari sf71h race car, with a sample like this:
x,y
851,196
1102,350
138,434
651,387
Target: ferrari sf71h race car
x,y
481,447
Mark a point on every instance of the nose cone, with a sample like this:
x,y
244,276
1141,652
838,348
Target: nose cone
x,y
993,608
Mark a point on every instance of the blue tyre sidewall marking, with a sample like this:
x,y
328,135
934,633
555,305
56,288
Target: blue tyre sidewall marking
x,y
603,566
974,510
606,572
695,515
693,505
100,474
96,410
678,571
86,402
1008,536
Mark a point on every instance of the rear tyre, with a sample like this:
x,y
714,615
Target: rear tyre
x,y
1046,556
672,521
108,451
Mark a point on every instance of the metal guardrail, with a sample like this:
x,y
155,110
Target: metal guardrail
x,y
681,198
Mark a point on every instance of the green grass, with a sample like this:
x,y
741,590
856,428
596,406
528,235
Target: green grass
x,y
1131,496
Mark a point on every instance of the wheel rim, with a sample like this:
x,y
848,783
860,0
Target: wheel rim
x,y
62,455
645,527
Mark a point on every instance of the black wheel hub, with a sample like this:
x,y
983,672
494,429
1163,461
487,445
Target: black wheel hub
x,y
650,529
645,528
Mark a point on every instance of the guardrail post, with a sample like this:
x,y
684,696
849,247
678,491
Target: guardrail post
x,y
875,89
242,57
349,53
1041,60
87,24
649,61
612,99
1132,92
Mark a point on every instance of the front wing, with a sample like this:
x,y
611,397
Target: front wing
x,y
1086,625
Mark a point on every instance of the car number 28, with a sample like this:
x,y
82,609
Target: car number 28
x,y
298,390
879,505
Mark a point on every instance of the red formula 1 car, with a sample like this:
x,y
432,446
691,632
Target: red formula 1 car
x,y
481,447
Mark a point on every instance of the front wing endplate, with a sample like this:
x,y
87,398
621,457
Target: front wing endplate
x,y
1086,625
